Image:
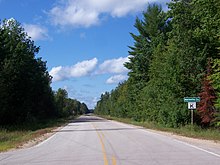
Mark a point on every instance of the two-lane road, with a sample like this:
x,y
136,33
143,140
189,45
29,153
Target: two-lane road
x,y
90,140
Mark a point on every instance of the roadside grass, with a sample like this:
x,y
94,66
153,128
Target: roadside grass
x,y
14,136
192,131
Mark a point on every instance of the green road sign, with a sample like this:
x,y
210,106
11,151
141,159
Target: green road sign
x,y
191,99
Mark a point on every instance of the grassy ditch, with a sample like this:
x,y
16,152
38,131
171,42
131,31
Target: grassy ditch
x,y
15,136
188,130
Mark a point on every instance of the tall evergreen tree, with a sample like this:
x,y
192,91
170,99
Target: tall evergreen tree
x,y
149,28
25,92
168,62
141,54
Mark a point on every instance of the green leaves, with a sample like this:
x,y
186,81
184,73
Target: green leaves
x,y
25,92
66,106
168,62
150,27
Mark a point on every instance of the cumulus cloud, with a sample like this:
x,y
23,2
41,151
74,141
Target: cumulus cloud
x,y
113,66
80,69
90,101
36,32
116,79
81,96
86,13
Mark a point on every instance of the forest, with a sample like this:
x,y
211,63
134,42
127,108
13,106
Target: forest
x,y
25,92
175,55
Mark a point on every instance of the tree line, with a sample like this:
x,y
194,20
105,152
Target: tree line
x,y
175,55
25,91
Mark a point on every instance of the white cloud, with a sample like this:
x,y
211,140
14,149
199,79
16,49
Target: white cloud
x,y
80,69
90,101
113,66
73,93
116,79
86,13
36,32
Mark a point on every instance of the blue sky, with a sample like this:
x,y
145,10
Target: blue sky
x,y
85,42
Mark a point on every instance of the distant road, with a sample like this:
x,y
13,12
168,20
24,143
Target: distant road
x,y
90,140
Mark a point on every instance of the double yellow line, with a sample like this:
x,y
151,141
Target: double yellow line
x,y
103,148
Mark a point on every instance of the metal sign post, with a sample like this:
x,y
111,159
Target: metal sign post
x,y
192,107
192,104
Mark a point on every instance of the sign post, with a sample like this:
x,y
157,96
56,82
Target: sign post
x,y
192,104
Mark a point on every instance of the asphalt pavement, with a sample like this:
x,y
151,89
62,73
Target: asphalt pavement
x,y
91,140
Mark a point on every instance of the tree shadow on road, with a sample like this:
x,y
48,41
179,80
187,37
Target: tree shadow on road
x,y
99,129
83,119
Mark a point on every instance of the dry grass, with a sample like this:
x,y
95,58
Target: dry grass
x,y
15,136
188,130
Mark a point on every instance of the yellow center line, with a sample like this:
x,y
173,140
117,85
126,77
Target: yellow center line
x,y
103,147
103,136
113,160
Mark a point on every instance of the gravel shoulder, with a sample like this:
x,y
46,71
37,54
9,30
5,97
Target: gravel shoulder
x,y
38,139
201,144
209,146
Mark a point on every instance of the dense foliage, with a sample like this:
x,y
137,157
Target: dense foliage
x,y
25,92
168,62
66,106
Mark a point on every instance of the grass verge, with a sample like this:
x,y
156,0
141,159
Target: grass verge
x,y
15,136
188,130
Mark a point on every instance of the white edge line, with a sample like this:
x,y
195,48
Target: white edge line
x,y
44,141
187,144
198,148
